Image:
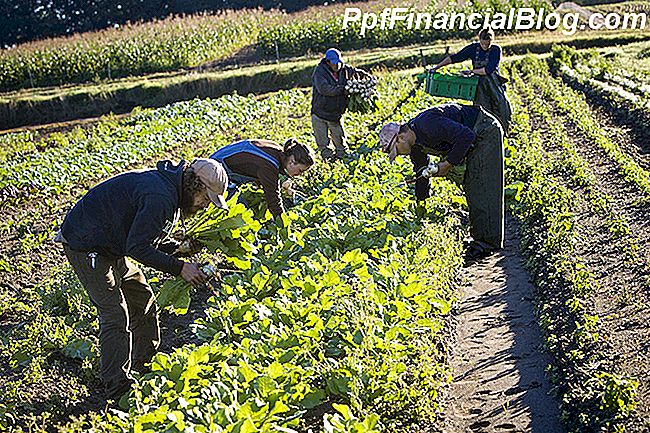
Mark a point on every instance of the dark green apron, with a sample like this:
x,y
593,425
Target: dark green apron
x,y
491,93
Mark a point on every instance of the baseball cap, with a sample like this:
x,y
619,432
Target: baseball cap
x,y
387,139
214,177
334,56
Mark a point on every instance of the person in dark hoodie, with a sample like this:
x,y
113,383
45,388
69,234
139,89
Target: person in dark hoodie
x,y
329,102
132,215
262,162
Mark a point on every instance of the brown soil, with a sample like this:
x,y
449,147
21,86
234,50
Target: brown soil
x,y
499,381
622,295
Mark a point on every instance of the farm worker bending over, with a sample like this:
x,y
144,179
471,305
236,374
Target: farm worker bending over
x,y
490,94
132,215
457,133
329,102
262,162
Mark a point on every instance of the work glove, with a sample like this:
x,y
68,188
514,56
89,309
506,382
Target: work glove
x,y
430,170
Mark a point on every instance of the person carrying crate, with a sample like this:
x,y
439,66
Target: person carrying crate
x,y
491,93
458,134
329,102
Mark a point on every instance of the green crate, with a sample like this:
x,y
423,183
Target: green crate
x,y
450,86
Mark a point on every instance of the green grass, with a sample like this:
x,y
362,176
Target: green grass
x,y
37,106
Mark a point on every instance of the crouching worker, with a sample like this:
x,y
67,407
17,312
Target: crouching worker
x,y
262,162
458,133
131,215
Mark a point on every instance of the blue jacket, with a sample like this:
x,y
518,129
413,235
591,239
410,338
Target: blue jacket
x,y
127,215
489,59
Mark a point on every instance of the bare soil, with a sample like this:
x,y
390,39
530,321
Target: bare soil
x,y
498,362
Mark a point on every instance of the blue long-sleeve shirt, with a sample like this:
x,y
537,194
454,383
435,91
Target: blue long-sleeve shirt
x,y
442,130
478,56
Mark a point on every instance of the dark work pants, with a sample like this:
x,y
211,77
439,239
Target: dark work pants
x,y
129,334
484,183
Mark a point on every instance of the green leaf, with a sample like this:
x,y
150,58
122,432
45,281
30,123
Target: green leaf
x,y
343,410
275,370
313,399
79,349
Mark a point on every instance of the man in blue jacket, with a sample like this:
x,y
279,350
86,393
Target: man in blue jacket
x,y
132,215
459,134
329,102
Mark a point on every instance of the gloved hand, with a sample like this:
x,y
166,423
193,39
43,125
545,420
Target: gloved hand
x,y
430,170
188,248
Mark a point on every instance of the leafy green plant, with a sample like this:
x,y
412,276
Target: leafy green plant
x,y
315,35
554,183
229,232
166,45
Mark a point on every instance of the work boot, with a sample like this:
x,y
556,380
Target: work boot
x,y
327,154
476,253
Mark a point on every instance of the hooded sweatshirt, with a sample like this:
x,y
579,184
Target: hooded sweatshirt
x,y
128,215
329,100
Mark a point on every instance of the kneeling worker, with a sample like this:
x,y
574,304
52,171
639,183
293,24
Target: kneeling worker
x,y
458,133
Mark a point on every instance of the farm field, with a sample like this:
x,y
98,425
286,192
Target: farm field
x,y
356,314
247,74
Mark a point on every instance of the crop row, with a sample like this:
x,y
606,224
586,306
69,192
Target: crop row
x,y
548,181
293,332
301,37
626,92
88,154
579,174
183,42
574,105
165,45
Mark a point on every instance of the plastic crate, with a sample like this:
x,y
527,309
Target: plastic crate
x,y
450,86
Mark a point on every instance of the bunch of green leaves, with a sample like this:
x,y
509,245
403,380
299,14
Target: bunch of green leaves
x,y
231,232
228,232
358,103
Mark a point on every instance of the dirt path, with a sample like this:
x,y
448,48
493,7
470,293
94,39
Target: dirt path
x,y
499,383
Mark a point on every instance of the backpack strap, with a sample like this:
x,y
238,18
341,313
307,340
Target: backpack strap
x,y
244,146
